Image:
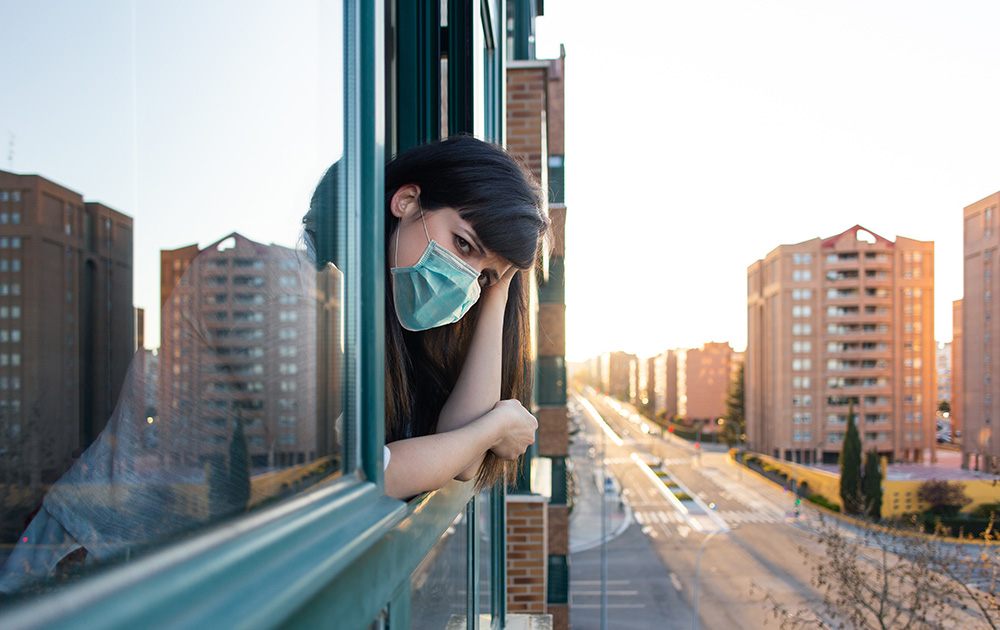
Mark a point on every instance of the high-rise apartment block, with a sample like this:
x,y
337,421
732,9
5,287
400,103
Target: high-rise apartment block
x,y
238,326
957,354
617,374
839,324
943,358
980,405
66,328
692,384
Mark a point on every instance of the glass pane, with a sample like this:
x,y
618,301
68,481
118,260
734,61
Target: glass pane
x,y
438,586
177,357
485,534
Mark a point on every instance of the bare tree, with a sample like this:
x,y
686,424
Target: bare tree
x,y
893,578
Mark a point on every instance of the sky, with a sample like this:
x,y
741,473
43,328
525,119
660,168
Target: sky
x,y
197,119
699,136
702,135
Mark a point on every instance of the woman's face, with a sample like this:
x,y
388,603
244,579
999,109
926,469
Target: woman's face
x,y
448,229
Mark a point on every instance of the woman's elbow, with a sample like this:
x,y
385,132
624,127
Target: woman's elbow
x,y
468,474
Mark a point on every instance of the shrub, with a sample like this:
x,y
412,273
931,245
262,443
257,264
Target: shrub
x,y
986,510
822,501
945,498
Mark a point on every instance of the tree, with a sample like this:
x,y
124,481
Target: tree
x,y
735,424
239,468
945,498
944,406
871,486
229,487
893,578
850,468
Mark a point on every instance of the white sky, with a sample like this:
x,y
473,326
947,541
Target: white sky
x,y
701,135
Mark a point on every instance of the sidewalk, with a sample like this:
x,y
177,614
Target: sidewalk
x,y
585,519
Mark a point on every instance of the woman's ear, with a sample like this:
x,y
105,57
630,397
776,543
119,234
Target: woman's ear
x,y
404,201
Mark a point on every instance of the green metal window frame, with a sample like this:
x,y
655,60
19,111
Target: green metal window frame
x,y
343,552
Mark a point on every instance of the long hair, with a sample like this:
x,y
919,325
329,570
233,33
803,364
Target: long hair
x,y
499,198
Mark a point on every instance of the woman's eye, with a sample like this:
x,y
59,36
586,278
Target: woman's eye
x,y
463,245
484,281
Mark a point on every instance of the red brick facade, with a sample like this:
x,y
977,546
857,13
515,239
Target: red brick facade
x,y
527,553
538,529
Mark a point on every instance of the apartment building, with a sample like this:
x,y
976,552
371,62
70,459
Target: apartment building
x,y
943,367
957,359
691,384
236,324
835,324
980,407
617,374
66,331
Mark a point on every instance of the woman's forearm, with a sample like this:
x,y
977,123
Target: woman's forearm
x,y
477,389
428,462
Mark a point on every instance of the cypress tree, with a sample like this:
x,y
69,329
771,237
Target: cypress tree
x,y
735,408
850,467
239,469
872,485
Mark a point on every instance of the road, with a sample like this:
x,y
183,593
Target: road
x,y
758,555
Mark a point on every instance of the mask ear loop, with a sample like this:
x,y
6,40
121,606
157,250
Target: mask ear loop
x,y
395,253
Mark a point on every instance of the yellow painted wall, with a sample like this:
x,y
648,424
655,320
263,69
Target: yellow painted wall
x,y
899,497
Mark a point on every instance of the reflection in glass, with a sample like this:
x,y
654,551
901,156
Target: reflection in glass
x,y
485,552
112,441
438,585
234,423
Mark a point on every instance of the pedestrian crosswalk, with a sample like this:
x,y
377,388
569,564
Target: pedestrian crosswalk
x,y
668,517
680,461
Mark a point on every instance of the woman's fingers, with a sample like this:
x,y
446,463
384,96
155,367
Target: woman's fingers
x,y
518,432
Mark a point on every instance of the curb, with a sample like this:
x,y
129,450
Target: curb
x,y
626,521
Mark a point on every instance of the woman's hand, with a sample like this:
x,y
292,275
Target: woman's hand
x,y
497,292
428,462
516,429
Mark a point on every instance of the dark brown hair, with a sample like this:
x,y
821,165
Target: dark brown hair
x,y
499,198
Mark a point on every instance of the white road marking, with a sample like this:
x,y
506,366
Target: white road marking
x,y
675,581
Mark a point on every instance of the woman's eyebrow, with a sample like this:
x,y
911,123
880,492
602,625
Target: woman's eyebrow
x,y
475,241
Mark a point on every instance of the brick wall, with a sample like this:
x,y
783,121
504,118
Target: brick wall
x,y
538,526
526,91
527,553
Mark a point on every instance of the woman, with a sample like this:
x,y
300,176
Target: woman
x,y
463,220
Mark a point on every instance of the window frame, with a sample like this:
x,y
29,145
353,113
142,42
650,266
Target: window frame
x,y
327,552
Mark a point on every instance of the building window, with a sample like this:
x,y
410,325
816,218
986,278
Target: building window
x,y
800,382
801,329
801,364
801,311
801,275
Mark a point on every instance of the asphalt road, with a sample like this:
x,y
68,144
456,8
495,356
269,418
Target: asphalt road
x,y
758,555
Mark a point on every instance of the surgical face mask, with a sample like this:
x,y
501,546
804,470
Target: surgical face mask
x,y
436,291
